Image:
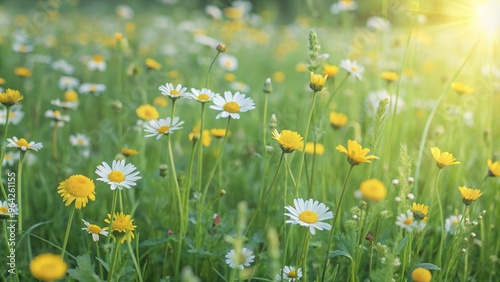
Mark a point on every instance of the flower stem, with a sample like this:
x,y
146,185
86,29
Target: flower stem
x,y
115,257
134,260
20,190
200,148
113,208
436,195
54,142
101,271
66,235
2,151
335,217
210,68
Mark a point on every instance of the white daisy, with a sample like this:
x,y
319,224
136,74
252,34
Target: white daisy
x,y
68,82
204,95
63,66
79,140
378,24
239,260
118,175
10,158
353,68
15,115
95,230
8,210
231,104
162,127
213,11
342,6
56,115
94,88
22,144
22,48
406,221
310,214
228,62
64,105
124,11
173,92
97,62
289,274
451,223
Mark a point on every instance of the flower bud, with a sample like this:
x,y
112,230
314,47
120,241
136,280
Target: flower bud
x,y
395,182
221,47
268,87
163,170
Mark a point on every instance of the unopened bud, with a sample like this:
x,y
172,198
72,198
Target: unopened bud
x,y
116,105
411,180
269,149
120,157
463,251
369,238
222,192
483,212
410,196
397,199
268,87
472,234
221,47
163,170
273,123
395,182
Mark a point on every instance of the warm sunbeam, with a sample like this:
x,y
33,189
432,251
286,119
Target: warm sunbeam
x,y
488,18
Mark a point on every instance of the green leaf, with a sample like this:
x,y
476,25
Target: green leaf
x,y
402,244
84,271
340,253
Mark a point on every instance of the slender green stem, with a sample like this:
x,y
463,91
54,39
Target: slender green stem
x,y
2,150
120,198
101,270
113,262
68,228
335,217
200,148
54,142
113,208
311,110
134,260
436,194
187,189
210,68
305,248
20,190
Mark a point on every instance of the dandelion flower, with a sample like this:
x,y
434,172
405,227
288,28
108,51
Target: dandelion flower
x,y
162,127
127,152
309,214
389,76
239,260
355,153
48,267
493,168
204,95
317,81
231,105
118,175
152,64
22,72
70,96
330,70
10,97
95,230
469,195
310,148
23,145
173,92
122,226
219,132
373,189
77,188
353,68
421,274
443,159
290,274
451,223
337,120
420,211
405,221
147,112
462,88
288,140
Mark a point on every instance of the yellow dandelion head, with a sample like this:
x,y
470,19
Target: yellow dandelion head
x,y
469,195
127,152
22,72
373,189
330,70
77,188
462,88
421,274
147,112
288,140
355,153
389,76
309,148
219,132
420,211
152,64
317,81
70,96
493,168
122,226
443,159
10,97
337,120
48,267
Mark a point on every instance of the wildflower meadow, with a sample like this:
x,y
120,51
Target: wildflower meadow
x,y
171,140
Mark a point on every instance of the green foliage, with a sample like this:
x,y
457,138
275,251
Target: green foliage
x,y
84,271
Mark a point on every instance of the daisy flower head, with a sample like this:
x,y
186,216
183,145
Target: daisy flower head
x,y
204,95
58,119
173,92
162,127
94,88
23,145
420,211
290,274
10,158
48,267
97,62
10,97
443,159
63,66
355,153
77,188
451,223
22,48
8,210
228,62
309,214
405,221
469,195
493,168
64,104
79,140
68,82
118,175
288,140
123,226
317,81
239,259
95,230
147,112
231,105
353,68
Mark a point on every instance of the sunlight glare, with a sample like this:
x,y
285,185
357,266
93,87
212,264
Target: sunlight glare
x,y
488,16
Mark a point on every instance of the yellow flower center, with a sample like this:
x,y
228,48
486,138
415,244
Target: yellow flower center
x,y
163,129
98,58
70,96
455,222
174,92
92,88
23,143
408,221
203,97
353,68
4,209
79,186
308,217
80,142
231,107
57,113
292,274
116,176
94,229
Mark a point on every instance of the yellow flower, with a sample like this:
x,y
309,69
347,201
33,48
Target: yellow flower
x,y
127,152
152,64
48,267
70,96
77,188
147,112
373,189
493,168
469,195
355,153
279,76
2,80
337,120
330,70
206,139
288,140
443,159
317,81
10,97
229,77
301,68
219,132
421,274
389,76
309,148
234,13
122,226
462,88
22,72
420,211
160,101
